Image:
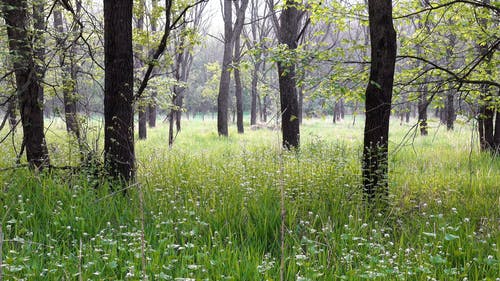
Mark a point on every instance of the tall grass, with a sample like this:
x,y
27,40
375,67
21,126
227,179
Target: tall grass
x,y
211,211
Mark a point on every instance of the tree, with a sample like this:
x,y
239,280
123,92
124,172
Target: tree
x,y
27,82
288,35
230,34
118,94
68,73
378,98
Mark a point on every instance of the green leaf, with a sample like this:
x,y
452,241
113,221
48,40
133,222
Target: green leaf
x,y
450,237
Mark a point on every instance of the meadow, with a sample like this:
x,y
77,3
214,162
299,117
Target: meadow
x,y
210,209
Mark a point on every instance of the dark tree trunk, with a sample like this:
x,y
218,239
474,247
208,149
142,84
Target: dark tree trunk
x,y
486,128
423,103
230,35
143,118
225,80
178,112
335,112
152,110
450,111
378,99
238,88
289,111
27,83
171,128
118,93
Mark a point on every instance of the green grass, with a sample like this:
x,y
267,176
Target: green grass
x,y
212,210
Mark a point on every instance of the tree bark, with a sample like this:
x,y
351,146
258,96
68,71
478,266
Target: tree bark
x,y
378,99
289,111
230,35
225,80
238,87
253,104
423,103
118,94
27,83
450,111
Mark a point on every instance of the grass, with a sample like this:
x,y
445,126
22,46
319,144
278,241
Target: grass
x,y
211,210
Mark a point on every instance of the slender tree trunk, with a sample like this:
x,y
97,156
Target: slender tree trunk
x,y
118,94
230,35
253,106
422,110
378,99
27,83
408,111
152,111
335,112
69,95
450,111
289,111
238,88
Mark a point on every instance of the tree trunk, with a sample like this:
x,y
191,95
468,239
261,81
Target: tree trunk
x,y
118,94
27,83
225,80
152,111
253,106
289,111
422,110
69,95
450,111
230,35
378,99
238,88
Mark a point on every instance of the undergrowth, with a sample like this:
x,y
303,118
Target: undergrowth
x,y
212,212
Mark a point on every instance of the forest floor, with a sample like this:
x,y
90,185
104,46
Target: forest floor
x,y
209,209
